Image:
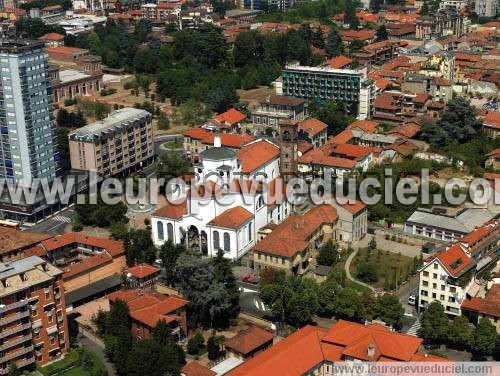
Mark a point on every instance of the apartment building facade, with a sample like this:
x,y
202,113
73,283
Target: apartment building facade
x,y
448,276
34,327
28,148
276,108
348,86
120,143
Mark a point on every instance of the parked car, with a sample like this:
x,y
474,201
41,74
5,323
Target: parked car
x,y
412,299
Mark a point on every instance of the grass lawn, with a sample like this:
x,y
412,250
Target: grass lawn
x,y
173,145
340,265
73,359
388,265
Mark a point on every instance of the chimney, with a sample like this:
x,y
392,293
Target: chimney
x,y
371,350
217,141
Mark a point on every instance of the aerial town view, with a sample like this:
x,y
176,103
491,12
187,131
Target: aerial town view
x,y
249,187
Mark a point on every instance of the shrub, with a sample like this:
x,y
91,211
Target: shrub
x,y
367,272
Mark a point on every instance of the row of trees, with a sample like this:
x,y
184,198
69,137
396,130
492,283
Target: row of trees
x,y
294,301
157,355
436,329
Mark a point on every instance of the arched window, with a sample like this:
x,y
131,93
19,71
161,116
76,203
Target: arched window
x,y
287,136
170,232
159,228
216,240
227,242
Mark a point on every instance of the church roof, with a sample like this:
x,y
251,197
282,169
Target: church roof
x,y
217,153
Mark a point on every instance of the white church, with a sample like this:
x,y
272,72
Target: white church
x,y
221,209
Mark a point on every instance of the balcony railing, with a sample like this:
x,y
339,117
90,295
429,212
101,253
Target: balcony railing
x,y
13,318
8,345
16,329
16,354
8,307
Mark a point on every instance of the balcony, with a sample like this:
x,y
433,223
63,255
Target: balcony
x,y
8,345
17,329
13,318
8,307
16,354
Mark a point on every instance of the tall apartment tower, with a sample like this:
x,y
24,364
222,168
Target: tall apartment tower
x,y
288,141
33,321
28,147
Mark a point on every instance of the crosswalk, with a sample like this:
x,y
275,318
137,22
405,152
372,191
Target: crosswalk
x,y
413,331
62,218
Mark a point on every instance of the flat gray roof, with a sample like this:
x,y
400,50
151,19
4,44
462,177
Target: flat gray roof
x,y
114,119
464,222
68,75
8,269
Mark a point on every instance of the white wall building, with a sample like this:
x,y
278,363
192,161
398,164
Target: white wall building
x,y
228,202
449,275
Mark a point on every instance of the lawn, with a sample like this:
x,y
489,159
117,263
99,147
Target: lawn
x,y
389,269
173,145
72,365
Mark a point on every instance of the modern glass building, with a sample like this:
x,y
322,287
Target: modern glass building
x,y
28,149
349,86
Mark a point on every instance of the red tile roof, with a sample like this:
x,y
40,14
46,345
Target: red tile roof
x,y
12,239
310,346
342,138
227,139
408,130
231,116
421,98
52,36
173,211
148,308
295,355
195,368
367,126
454,260
86,265
113,247
291,236
249,340
52,7
352,151
232,218
319,158
492,119
142,270
487,306
382,83
354,208
257,154
312,126
339,62
363,34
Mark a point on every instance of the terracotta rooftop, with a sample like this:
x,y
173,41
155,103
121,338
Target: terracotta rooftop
x,y
256,154
312,126
310,346
113,247
367,126
291,236
196,369
227,139
142,270
87,265
284,100
487,306
170,210
232,218
339,62
249,340
148,308
51,36
231,116
492,119
12,239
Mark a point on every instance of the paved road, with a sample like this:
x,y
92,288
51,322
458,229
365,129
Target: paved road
x,y
99,351
250,301
159,140
54,225
348,272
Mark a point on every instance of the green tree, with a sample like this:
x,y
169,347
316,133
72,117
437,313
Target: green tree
x,y
139,247
435,324
195,344
163,122
382,33
328,254
350,15
367,272
484,338
346,304
334,45
372,245
223,273
460,333
390,310
169,253
332,113
170,165
145,61
214,347
149,358
14,370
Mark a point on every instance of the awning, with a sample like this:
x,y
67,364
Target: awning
x,y
52,330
